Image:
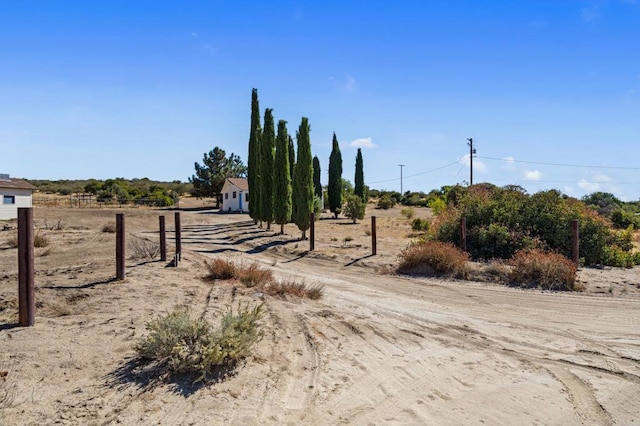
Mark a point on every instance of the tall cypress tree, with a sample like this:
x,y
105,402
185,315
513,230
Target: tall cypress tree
x,y
292,157
359,179
282,178
303,180
292,168
253,172
335,178
317,186
267,148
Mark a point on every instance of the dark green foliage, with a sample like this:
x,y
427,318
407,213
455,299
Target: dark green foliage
x,y
354,208
216,168
335,178
282,178
267,150
385,202
253,172
420,225
502,221
623,219
317,185
359,178
604,202
303,179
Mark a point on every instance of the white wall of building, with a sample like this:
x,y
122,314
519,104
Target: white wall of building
x,y
20,197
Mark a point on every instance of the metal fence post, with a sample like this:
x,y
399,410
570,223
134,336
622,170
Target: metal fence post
x,y
163,240
120,247
26,273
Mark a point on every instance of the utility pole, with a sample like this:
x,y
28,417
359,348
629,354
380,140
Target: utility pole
x,y
401,166
472,152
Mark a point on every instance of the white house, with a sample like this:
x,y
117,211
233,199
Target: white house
x,y
14,193
235,195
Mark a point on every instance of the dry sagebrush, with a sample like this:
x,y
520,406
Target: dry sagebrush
x,y
434,257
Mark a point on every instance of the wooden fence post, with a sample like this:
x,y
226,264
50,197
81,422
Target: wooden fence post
x,y
312,231
463,234
163,240
374,239
120,247
178,238
26,274
575,240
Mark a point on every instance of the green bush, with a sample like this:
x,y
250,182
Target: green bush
x,y
385,202
180,344
622,219
407,212
434,257
501,221
616,256
354,208
420,225
539,269
437,205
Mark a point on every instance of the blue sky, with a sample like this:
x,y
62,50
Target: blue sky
x,y
549,89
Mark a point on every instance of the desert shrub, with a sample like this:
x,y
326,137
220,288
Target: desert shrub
x,y
420,225
385,202
253,275
434,257
501,221
622,219
180,344
616,256
220,269
408,212
40,240
109,228
354,208
290,287
141,248
437,205
535,268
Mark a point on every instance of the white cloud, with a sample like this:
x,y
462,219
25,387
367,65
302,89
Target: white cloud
x,y
600,178
589,14
508,163
532,175
348,83
588,186
478,166
363,143
568,190
209,49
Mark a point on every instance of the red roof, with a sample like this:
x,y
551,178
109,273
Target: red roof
x,y
241,183
16,184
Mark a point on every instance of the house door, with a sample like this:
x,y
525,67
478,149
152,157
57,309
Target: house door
x,y
241,202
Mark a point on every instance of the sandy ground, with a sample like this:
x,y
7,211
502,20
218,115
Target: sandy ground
x,y
376,349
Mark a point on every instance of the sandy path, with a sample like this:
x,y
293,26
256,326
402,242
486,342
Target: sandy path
x,y
376,349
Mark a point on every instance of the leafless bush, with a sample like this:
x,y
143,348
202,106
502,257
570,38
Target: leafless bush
x,y
109,228
141,248
536,268
40,240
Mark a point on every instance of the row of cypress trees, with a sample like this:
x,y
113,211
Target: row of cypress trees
x,y
280,188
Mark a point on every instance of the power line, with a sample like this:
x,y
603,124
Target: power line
x,y
417,174
508,160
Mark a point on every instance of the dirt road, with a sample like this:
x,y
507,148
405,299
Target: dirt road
x,y
376,349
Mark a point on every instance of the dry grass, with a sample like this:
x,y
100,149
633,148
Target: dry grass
x,y
293,288
434,258
546,270
261,278
12,242
408,212
7,388
41,240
